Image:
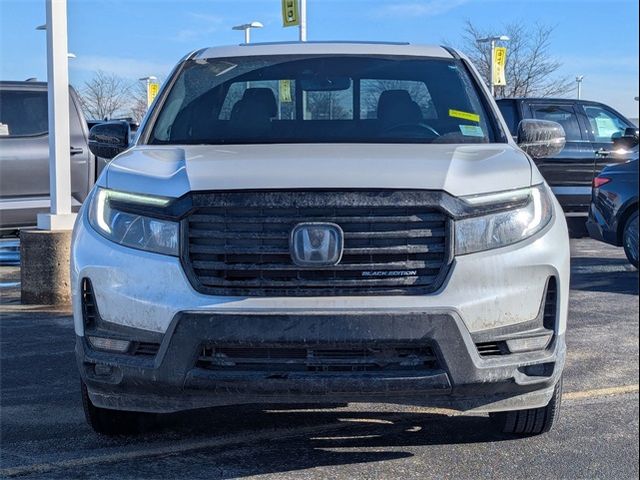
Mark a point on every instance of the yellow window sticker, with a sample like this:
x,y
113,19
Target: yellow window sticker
x,y
465,115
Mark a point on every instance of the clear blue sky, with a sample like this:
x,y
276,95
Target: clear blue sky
x,y
134,38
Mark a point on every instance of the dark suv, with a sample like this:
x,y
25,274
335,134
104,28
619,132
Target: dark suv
x,y
24,154
590,129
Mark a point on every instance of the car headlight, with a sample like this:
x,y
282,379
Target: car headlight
x,y
131,229
505,227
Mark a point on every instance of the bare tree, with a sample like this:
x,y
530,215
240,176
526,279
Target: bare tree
x,y
138,101
106,96
531,69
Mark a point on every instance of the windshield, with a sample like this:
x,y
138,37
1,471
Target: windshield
x,y
322,99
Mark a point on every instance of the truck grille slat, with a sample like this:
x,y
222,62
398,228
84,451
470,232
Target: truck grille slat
x,y
317,358
237,243
266,250
220,219
195,232
294,282
200,266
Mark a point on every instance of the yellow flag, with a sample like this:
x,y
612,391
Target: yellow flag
x,y
290,14
499,64
285,91
152,91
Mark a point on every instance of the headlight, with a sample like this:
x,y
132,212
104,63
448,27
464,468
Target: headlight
x,y
507,227
130,229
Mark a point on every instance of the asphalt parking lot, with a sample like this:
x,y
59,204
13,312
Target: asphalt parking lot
x,y
43,433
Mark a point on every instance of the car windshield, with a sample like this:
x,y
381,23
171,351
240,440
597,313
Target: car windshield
x,y
322,99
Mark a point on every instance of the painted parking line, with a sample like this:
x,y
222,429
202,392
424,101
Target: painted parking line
x,y
253,437
601,392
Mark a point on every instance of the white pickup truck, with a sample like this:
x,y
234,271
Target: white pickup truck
x,y
322,222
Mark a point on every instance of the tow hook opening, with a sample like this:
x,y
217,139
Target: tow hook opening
x,y
538,370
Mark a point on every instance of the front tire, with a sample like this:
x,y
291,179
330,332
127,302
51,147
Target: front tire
x,y
630,239
533,421
111,422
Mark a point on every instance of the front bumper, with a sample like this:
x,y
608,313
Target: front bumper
x,y
461,379
598,227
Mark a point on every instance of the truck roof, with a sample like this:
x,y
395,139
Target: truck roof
x,y
547,99
30,84
323,48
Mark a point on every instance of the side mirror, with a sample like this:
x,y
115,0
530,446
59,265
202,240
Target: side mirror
x,y
628,141
108,139
541,138
631,132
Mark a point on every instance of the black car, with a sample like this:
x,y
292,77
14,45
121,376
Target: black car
x,y
613,215
591,129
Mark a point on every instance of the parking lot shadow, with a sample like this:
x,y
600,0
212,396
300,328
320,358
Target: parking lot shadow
x,y
257,440
612,275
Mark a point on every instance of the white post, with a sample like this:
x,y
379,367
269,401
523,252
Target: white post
x,y
493,88
60,217
303,20
579,81
247,35
303,38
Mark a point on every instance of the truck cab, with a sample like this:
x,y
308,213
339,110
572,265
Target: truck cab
x,y
590,129
24,154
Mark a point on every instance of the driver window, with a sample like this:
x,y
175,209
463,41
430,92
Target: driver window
x,y
605,125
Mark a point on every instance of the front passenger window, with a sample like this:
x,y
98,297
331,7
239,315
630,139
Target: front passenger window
x,y
605,125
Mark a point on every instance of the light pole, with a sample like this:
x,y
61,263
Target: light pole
x,y
579,79
45,251
148,81
43,27
303,20
492,41
246,27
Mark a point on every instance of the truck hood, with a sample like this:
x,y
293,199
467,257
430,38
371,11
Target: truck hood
x,y
457,169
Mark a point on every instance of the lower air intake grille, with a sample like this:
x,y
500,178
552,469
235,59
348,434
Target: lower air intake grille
x,y
550,305
146,349
343,358
89,309
492,349
238,243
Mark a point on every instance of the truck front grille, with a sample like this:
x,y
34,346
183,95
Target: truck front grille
x,y
238,244
320,358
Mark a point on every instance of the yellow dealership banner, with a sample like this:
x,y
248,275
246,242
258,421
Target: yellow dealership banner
x,y
499,65
152,91
290,14
285,91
